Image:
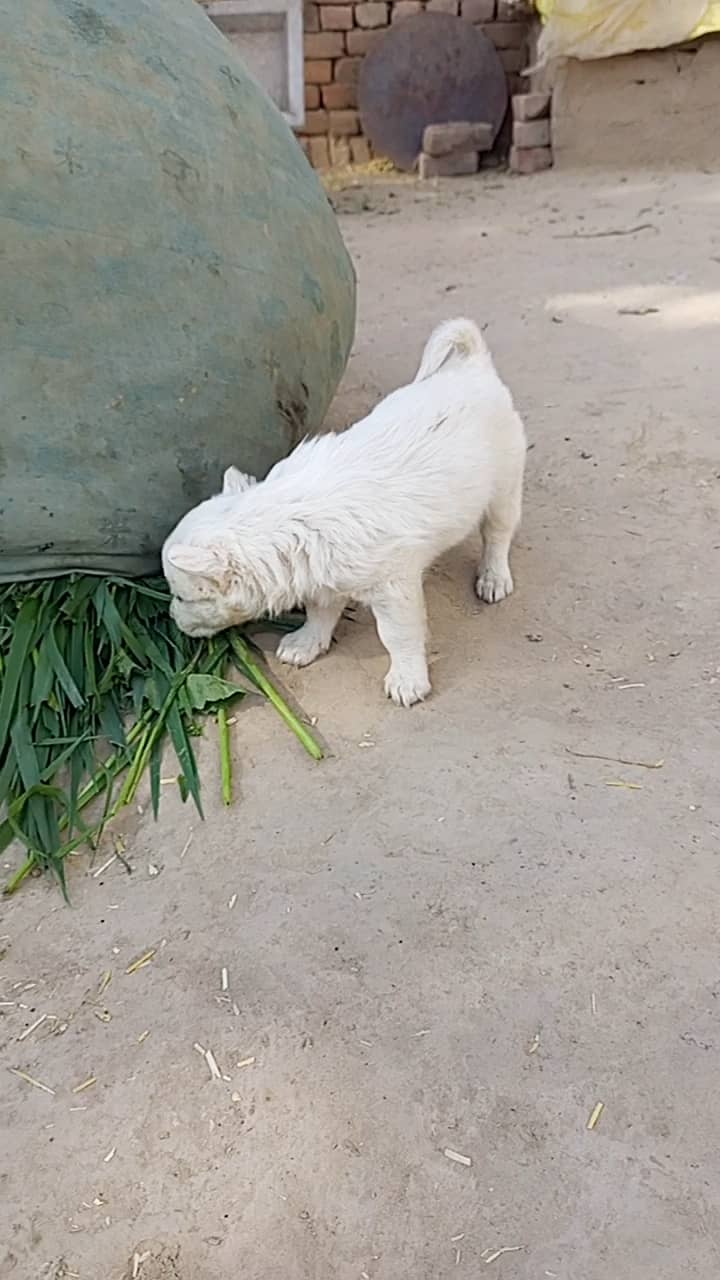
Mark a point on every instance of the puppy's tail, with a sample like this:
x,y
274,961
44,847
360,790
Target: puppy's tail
x,y
457,340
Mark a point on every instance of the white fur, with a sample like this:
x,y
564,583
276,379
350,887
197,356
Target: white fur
x,y
361,515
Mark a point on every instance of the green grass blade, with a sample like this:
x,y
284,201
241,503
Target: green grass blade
x,y
111,724
59,666
79,591
185,754
43,677
23,633
155,763
24,750
8,774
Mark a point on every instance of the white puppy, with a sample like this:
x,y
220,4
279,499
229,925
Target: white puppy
x,y
361,515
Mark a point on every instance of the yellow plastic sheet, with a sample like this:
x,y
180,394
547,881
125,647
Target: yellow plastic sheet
x,y
602,28
710,22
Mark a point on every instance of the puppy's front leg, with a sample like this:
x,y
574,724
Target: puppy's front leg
x,y
399,609
314,637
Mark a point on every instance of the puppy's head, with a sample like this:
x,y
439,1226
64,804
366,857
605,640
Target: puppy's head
x,y
211,585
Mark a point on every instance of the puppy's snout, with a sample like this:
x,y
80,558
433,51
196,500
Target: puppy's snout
x,y
183,619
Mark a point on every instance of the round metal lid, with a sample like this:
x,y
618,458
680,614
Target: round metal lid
x,y
430,69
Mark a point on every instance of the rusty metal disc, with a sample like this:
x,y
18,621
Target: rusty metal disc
x,y
430,69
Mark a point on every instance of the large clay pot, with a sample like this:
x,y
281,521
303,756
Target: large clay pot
x,y
175,294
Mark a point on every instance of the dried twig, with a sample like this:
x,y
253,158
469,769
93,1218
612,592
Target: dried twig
x,y
33,1027
595,1114
85,1084
141,961
600,235
37,1084
497,1253
456,1157
213,1067
105,865
639,764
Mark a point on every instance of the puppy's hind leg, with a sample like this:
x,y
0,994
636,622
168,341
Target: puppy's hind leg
x,y
494,580
399,609
314,637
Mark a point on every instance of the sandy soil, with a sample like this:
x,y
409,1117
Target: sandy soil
x,y
454,934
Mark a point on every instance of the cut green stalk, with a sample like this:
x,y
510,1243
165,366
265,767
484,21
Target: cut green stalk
x,y
249,667
225,756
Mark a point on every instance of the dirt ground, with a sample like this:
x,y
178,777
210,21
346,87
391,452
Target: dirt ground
x,y
476,921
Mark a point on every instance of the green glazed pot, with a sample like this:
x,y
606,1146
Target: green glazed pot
x,y
175,295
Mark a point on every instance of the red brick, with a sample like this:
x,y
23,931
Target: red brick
x,y
451,166
318,71
312,97
325,44
531,133
530,159
339,152
315,122
336,17
443,6
360,150
361,42
344,123
338,96
403,9
531,106
513,60
506,35
318,153
478,10
347,70
441,139
371,14
311,17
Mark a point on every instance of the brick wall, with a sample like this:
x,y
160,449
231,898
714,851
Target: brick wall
x,y
339,33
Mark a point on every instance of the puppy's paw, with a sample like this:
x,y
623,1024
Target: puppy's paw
x,y
302,647
407,687
492,586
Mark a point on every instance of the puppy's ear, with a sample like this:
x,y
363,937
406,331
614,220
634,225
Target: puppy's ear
x,y
235,481
200,562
